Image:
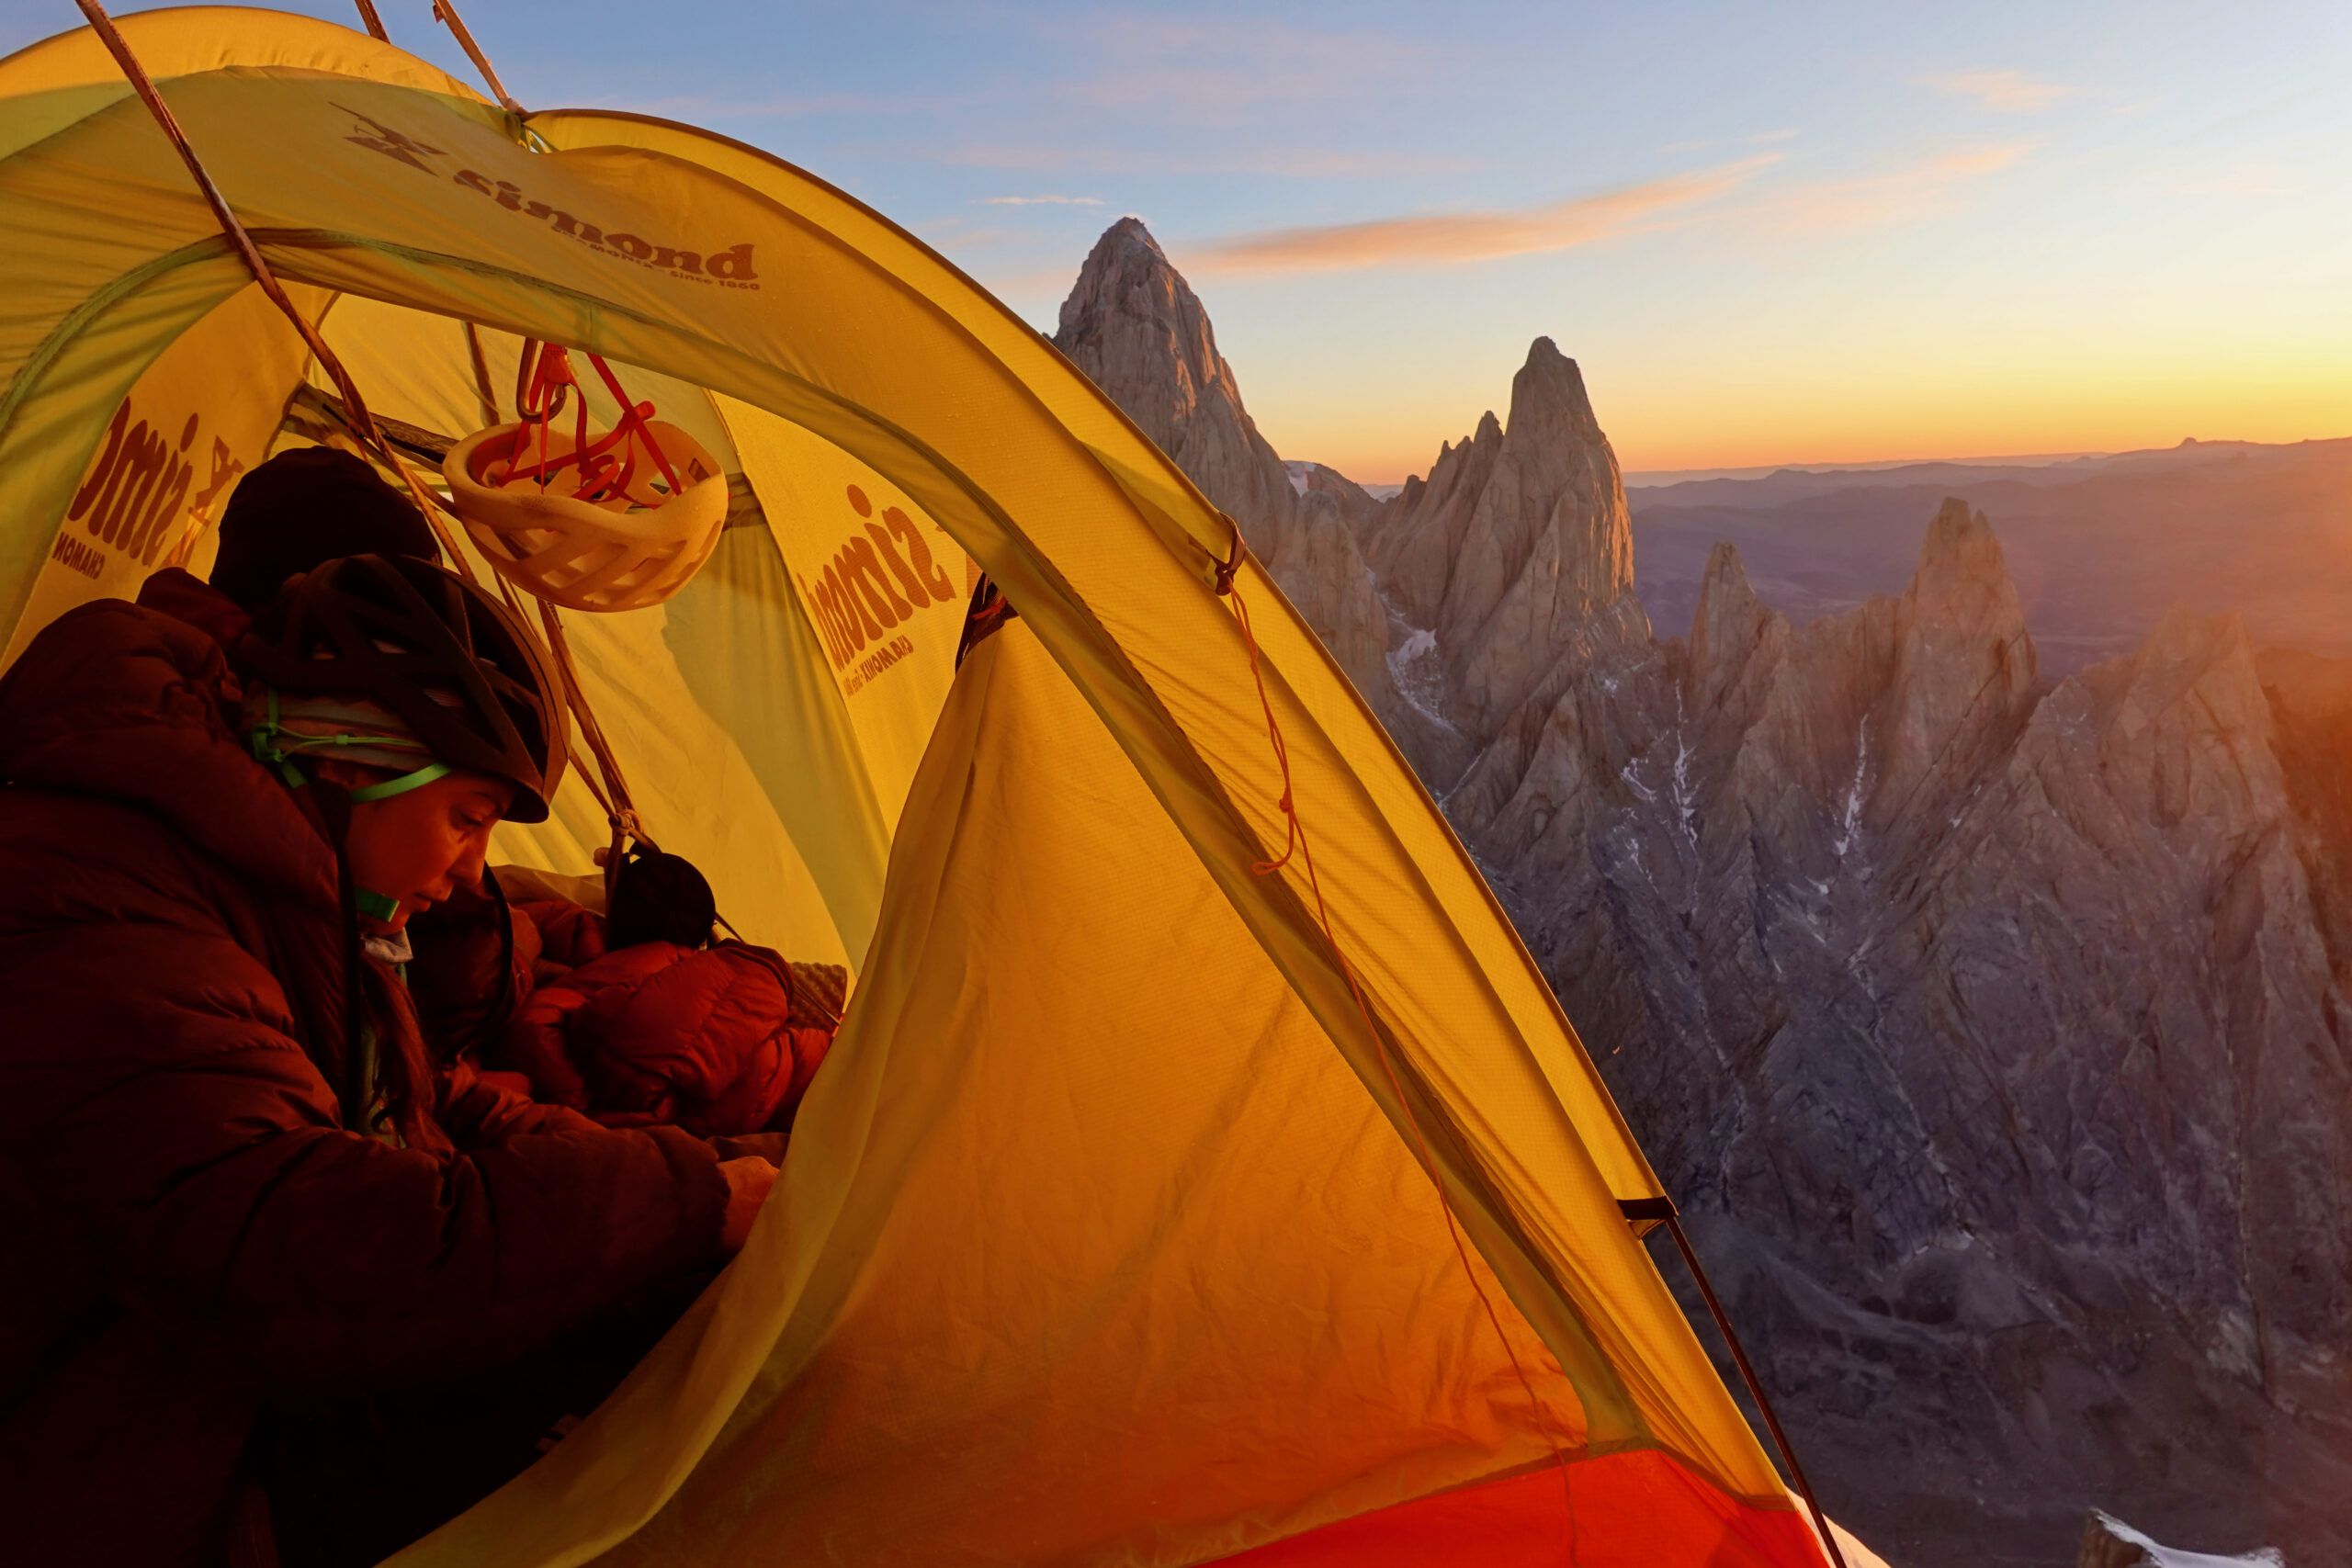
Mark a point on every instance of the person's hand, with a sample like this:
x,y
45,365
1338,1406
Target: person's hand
x,y
749,1181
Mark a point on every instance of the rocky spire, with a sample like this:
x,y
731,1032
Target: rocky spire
x,y
1965,667
1995,1028
1138,330
1729,621
1519,542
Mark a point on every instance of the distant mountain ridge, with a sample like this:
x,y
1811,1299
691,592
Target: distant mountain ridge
x,y
1990,1027
2101,548
1652,479
2059,466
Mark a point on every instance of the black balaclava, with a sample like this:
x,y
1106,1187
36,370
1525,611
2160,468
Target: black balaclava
x,y
660,898
310,505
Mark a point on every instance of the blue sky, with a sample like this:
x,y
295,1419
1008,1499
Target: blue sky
x,y
1770,233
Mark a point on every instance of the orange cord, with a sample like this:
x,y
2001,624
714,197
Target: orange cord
x,y
1295,842
542,392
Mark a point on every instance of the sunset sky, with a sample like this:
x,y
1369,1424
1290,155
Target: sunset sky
x,y
1768,233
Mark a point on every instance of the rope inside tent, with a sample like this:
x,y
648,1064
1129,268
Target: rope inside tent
x,y
1295,842
619,809
541,392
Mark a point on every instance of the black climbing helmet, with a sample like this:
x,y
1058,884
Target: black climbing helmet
x,y
442,654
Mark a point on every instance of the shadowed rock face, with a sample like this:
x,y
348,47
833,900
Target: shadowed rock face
x,y
1988,1029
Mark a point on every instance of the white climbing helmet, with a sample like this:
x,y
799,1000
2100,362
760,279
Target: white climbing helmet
x,y
615,520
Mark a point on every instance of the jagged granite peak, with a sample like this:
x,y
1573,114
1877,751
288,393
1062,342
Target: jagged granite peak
x,y
2310,698
1549,390
1411,541
1518,545
1136,329
1354,503
1964,666
1730,621
2029,1097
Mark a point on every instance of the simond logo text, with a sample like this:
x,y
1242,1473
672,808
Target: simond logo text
x,y
729,269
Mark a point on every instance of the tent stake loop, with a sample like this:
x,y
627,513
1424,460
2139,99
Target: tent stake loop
x,y
1754,1388
1232,562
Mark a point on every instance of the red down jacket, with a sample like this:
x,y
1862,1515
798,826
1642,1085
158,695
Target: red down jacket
x,y
719,1041
188,1230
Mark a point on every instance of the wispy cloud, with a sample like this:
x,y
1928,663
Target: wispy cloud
x,y
1080,157
1168,67
1037,202
1038,283
1449,239
2003,92
958,232
1917,189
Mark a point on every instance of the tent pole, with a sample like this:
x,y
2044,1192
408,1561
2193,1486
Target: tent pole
x,y
354,405
1755,1389
446,13
375,23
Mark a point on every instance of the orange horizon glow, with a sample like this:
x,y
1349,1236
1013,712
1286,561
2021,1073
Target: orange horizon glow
x,y
1664,428
1381,468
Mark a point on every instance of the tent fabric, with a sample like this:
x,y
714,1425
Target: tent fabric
x,y
1212,1283
1192,1342
1627,1511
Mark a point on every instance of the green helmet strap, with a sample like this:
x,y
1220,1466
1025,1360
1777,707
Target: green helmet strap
x,y
375,906
273,744
400,785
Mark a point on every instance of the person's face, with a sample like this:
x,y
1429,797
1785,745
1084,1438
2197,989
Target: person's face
x,y
422,845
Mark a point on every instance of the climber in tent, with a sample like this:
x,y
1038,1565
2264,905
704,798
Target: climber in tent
x,y
273,1273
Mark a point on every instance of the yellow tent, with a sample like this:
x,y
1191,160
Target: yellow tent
x,y
1158,1205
